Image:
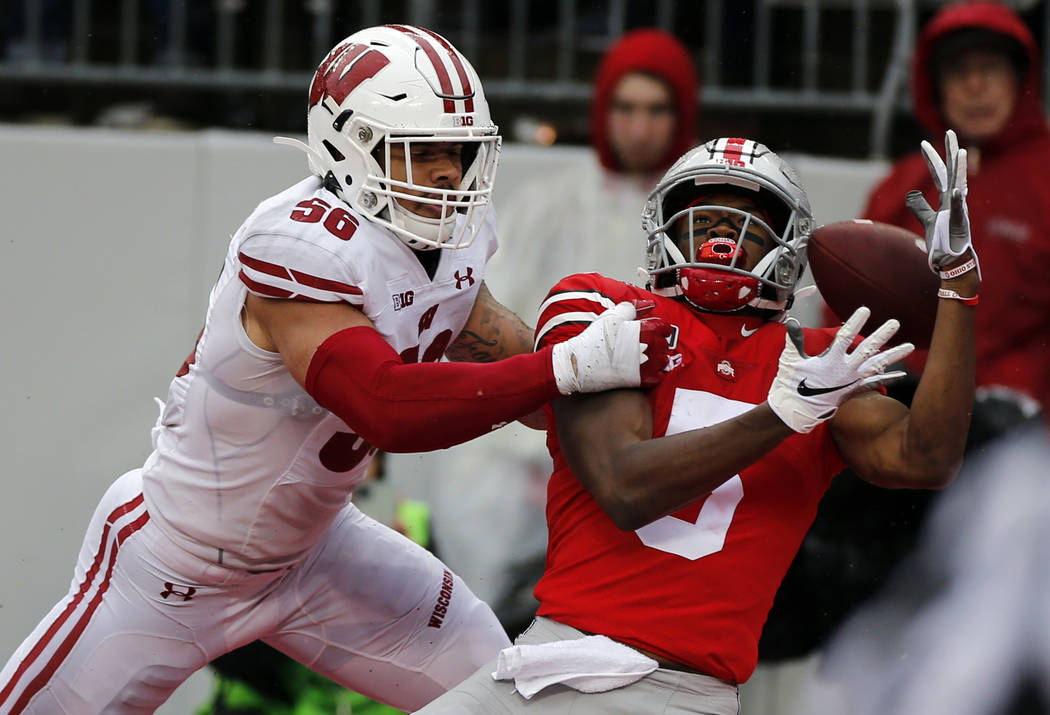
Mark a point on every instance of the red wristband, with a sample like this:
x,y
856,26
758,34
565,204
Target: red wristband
x,y
946,293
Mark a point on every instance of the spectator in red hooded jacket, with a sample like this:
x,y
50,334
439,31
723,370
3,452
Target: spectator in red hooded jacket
x,y
645,104
643,116
976,70
582,215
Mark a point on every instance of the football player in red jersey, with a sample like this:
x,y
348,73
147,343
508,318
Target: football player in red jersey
x,y
674,512
321,343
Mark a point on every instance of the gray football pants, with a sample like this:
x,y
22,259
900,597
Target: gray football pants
x,y
664,691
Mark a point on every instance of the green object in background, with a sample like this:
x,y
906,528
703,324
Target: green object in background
x,y
307,694
414,517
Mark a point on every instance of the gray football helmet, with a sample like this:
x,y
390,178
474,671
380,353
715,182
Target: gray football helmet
x,y
712,280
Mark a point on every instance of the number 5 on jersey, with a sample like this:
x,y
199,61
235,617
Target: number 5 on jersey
x,y
693,409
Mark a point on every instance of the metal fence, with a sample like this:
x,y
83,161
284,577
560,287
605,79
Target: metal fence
x,y
822,55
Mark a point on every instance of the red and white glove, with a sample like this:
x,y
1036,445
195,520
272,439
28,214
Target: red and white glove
x,y
809,389
616,350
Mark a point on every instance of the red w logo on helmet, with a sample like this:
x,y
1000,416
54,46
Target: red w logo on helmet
x,y
347,66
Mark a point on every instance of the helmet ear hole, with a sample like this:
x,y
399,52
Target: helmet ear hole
x,y
335,153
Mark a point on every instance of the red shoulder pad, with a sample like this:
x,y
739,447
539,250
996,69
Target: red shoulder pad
x,y
573,304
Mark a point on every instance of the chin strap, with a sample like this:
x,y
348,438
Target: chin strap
x,y
437,230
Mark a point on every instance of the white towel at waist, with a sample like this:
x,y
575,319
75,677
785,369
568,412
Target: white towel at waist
x,y
592,664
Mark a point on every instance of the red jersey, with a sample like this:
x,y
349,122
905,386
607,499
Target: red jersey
x,y
694,586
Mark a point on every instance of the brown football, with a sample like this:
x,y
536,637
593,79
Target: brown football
x,y
884,267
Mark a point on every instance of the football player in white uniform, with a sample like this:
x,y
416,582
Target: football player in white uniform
x,y
336,300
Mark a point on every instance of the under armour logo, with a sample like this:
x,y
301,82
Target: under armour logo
x,y
171,590
469,278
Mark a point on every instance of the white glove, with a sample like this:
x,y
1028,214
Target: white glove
x,y
948,228
611,353
809,389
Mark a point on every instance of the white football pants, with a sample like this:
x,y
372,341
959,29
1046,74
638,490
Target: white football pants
x,y
366,607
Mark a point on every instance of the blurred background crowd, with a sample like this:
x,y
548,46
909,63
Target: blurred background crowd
x,y
827,77
613,90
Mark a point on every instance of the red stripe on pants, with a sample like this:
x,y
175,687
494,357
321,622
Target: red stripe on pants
x,y
89,577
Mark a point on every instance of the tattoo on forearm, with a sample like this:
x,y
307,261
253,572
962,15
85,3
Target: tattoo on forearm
x,y
492,333
471,347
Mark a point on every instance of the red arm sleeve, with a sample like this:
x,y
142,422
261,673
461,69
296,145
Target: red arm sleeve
x,y
420,407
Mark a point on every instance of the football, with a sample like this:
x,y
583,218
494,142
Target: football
x,y
884,267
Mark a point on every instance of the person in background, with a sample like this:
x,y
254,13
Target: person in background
x,y
643,116
976,70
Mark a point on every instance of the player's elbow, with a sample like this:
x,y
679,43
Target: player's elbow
x,y
926,475
626,510
939,477
392,436
626,518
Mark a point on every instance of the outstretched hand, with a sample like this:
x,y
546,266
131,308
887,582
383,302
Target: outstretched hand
x,y
809,389
947,229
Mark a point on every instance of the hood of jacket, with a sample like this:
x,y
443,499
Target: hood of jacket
x,y
996,17
654,52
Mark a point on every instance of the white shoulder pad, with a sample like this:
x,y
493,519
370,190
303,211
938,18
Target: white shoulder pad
x,y
296,245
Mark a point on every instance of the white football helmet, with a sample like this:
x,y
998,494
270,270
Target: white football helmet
x,y
710,279
402,85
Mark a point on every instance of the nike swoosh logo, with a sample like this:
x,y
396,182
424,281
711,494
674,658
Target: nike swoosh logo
x,y
748,333
807,391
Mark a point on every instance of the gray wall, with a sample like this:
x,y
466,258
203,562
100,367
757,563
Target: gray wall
x,y
111,242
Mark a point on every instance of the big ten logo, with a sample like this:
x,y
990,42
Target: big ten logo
x,y
403,300
467,121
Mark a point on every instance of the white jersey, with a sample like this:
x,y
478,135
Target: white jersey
x,y
247,469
